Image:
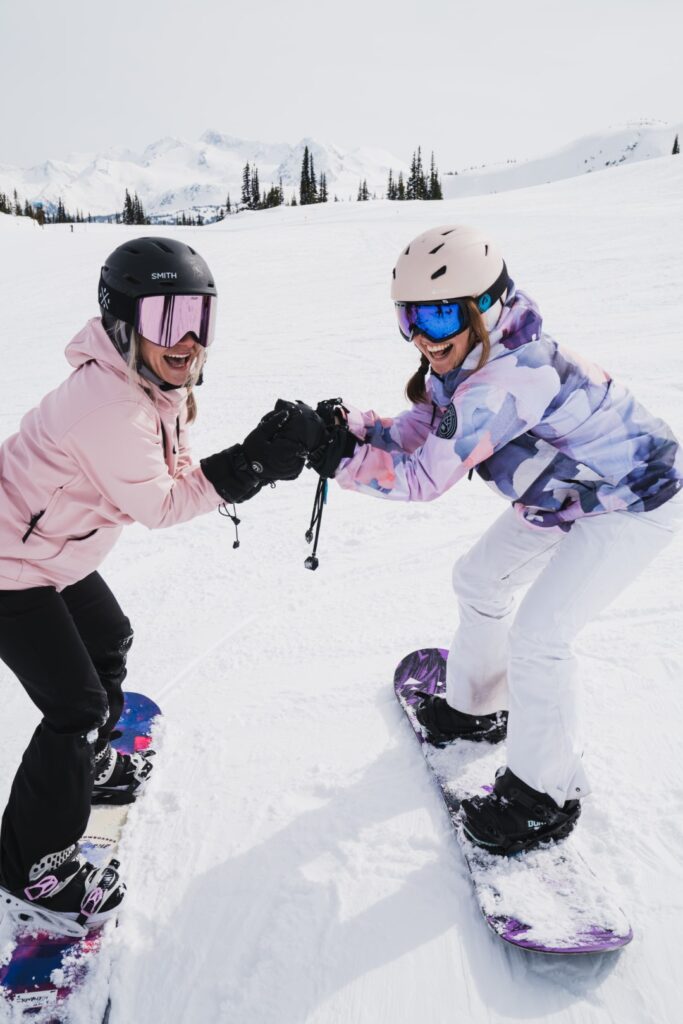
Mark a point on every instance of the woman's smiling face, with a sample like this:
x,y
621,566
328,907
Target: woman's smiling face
x,y
444,355
172,365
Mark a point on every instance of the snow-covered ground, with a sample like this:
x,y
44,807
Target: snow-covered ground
x,y
292,862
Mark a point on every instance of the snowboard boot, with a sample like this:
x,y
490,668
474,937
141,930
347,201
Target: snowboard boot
x,y
119,777
66,894
514,817
442,723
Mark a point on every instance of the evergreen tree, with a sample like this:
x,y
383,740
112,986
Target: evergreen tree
x,y
127,215
416,186
4,205
434,190
313,182
246,186
392,190
363,193
17,205
136,211
676,150
305,180
322,189
255,199
293,202
228,207
401,188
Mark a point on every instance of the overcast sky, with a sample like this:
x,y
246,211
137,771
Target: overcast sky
x,y
474,81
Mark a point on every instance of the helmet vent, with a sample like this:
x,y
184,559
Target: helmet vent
x,y
449,232
407,251
486,250
129,277
135,252
192,250
439,273
164,248
436,248
394,273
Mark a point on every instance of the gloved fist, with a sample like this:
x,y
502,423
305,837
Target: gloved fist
x,y
339,444
303,425
273,451
267,455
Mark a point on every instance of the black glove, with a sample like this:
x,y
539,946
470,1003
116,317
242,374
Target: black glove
x,y
231,475
274,451
304,425
239,472
339,443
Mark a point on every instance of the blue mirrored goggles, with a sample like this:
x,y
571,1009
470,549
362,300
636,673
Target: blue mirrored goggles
x,y
439,321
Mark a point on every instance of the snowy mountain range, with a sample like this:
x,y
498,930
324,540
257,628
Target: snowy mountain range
x,y
172,176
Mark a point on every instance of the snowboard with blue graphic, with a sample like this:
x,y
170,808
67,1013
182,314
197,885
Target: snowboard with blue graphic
x,y
43,974
546,900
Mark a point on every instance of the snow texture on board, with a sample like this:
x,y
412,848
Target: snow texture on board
x,y
546,900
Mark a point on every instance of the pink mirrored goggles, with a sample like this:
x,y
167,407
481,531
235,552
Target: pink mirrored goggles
x,y
166,319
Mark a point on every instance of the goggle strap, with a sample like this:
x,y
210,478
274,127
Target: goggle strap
x,y
492,294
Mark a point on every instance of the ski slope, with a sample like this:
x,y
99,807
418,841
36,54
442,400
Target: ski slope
x,y
291,862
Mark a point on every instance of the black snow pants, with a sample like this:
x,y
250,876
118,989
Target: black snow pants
x,y
68,650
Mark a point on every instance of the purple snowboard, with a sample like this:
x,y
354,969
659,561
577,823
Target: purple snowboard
x,y
27,980
578,914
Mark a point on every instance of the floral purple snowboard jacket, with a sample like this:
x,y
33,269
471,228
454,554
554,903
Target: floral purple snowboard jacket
x,y
545,428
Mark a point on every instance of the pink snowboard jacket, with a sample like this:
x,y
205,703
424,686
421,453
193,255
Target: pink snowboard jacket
x,y
96,453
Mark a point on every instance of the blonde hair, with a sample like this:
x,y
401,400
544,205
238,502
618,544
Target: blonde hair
x,y
416,388
127,337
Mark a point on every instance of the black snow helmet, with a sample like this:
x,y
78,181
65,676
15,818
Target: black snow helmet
x,y
151,266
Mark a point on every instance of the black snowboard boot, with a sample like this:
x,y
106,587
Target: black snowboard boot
x,y
119,777
515,817
66,894
442,723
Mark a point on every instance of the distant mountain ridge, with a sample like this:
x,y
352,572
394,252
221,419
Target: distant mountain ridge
x,y
172,176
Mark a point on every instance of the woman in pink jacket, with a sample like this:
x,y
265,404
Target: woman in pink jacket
x,y
106,448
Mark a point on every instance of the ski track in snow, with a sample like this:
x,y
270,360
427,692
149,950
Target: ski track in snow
x,y
291,862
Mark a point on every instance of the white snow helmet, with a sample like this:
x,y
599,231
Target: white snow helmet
x,y
450,262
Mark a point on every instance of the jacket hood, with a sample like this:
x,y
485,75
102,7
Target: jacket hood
x,y
93,344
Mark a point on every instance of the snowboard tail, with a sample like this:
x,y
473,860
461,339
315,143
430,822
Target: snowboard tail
x,y
44,969
546,900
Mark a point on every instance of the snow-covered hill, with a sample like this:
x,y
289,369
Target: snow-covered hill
x,y
644,140
172,175
291,862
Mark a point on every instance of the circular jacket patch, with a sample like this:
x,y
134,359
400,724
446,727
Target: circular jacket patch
x,y
449,423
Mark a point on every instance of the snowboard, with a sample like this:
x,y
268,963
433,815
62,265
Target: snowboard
x,y
546,900
45,972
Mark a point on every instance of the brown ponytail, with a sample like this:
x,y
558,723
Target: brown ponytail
x,y
416,388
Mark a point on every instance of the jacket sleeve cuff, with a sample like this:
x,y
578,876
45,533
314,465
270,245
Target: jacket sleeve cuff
x,y
231,475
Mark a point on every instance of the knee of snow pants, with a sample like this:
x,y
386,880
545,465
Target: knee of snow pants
x,y
111,666
484,593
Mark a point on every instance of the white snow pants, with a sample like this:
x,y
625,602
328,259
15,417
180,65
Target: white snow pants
x,y
525,662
